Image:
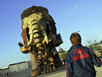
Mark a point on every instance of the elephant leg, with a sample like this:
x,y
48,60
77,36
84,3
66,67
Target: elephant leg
x,y
35,70
51,64
56,58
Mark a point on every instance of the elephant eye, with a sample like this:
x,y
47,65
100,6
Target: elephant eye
x,y
28,36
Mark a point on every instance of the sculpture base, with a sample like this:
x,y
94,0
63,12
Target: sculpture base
x,y
35,73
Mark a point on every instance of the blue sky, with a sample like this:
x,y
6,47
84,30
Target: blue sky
x,y
70,16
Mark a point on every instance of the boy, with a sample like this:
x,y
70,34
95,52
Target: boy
x,y
80,60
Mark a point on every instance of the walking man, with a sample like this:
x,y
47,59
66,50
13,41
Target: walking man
x,y
80,60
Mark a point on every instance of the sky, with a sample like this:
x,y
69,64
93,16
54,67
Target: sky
x,y
83,16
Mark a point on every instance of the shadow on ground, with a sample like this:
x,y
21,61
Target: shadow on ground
x,y
53,74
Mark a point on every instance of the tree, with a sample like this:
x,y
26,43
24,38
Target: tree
x,y
62,53
96,46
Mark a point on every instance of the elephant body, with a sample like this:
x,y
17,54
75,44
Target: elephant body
x,y
40,39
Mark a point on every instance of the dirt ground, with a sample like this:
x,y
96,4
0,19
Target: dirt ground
x,y
99,71
60,72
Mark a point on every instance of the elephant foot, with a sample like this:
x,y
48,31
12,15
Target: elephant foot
x,y
52,68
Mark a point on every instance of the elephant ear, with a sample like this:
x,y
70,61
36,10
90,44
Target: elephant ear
x,y
24,36
24,31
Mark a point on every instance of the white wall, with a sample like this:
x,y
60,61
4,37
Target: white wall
x,y
18,67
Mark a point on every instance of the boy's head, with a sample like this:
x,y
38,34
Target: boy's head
x,y
75,39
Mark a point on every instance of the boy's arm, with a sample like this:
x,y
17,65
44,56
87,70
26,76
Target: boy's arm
x,y
95,59
68,67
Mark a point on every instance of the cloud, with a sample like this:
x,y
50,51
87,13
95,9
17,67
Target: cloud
x,y
68,11
76,7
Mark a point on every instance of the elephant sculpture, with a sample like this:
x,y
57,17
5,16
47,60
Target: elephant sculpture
x,y
40,39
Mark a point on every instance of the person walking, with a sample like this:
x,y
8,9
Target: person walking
x,y
80,60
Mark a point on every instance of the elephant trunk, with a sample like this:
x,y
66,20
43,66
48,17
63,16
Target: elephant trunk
x,y
34,36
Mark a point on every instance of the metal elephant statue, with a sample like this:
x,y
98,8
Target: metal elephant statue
x,y
40,39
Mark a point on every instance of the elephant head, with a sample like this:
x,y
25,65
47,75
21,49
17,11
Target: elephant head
x,y
37,27
32,25
29,27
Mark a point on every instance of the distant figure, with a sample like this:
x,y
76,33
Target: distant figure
x,y
80,60
63,61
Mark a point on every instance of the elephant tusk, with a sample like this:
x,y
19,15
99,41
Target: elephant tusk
x,y
30,42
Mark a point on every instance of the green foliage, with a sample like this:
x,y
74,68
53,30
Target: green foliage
x,y
62,53
96,46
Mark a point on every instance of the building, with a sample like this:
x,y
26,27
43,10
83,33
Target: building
x,y
16,67
4,72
